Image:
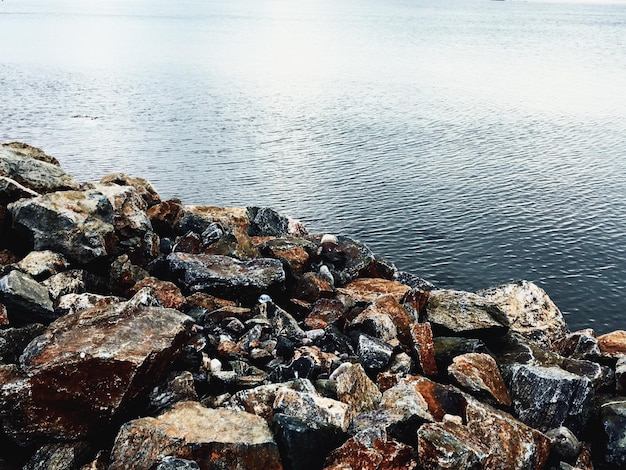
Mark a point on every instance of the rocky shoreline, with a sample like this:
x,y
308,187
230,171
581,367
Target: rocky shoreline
x,y
144,333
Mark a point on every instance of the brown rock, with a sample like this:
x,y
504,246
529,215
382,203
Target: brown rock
x,y
4,317
89,367
371,449
129,216
168,293
366,290
479,372
581,344
402,320
422,339
416,300
124,275
355,388
143,187
294,252
28,151
324,313
312,287
198,218
72,303
310,406
207,301
214,438
42,264
164,216
613,344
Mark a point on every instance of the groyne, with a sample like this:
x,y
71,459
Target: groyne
x,y
143,333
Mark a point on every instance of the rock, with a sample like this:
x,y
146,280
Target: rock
x,y
89,367
565,446
11,191
27,301
124,274
451,445
214,438
375,323
198,218
72,303
612,435
265,221
374,354
324,313
479,373
613,344
304,444
143,187
387,305
168,293
549,397
77,224
28,151
355,388
530,311
294,253
14,340
74,281
366,290
512,444
61,456
312,407
312,287
448,347
371,449
173,463
42,264
33,173
164,216
179,386
620,374
465,314
225,276
422,340
581,344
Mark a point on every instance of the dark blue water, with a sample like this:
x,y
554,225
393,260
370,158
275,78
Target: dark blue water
x,y
470,142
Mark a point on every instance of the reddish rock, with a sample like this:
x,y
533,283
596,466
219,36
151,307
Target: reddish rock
x,y
189,243
124,275
479,373
129,209
389,306
168,293
324,313
312,287
4,318
416,300
371,449
164,216
89,367
355,388
294,252
613,344
207,301
422,339
198,218
143,187
581,344
214,438
369,289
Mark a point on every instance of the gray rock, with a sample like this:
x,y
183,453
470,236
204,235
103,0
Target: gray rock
x,y
77,224
374,354
129,216
37,175
466,314
179,386
27,301
581,344
14,340
612,436
72,303
312,407
549,397
225,276
214,438
173,463
74,281
620,374
59,456
265,221
355,388
143,187
530,311
11,190
42,264
565,445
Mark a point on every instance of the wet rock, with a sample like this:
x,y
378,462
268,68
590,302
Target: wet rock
x,y
549,397
512,444
367,290
613,344
265,221
371,449
14,340
422,340
11,190
214,438
312,407
325,312
89,367
179,386
355,388
465,314
530,311
373,353
168,293
173,463
77,224
225,276
479,373
61,456
42,264
26,300
451,445
143,187
72,303
304,444
35,173
612,436
4,316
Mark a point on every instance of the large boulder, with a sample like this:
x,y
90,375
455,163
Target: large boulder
x,y
77,224
29,167
129,209
143,187
219,439
225,276
530,311
88,368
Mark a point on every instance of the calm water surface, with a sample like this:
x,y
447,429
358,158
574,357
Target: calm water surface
x,y
470,142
